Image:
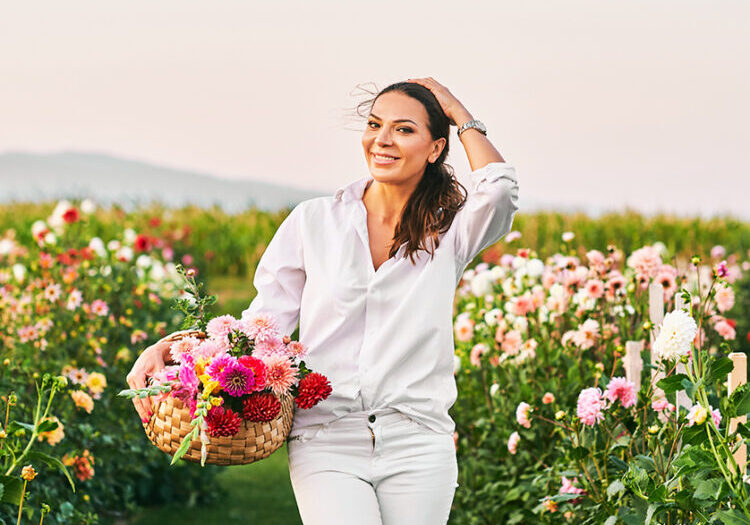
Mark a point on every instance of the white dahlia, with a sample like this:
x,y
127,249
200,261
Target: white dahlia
x,y
676,335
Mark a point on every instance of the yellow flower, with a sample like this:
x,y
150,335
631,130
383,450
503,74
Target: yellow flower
x,y
82,400
653,429
28,473
216,401
123,354
559,414
210,387
700,415
3,435
96,382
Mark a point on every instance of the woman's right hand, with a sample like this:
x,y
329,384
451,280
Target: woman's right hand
x,y
148,363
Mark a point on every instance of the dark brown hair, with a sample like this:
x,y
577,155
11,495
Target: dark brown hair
x,y
438,196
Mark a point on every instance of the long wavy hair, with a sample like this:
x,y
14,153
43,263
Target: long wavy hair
x,y
438,196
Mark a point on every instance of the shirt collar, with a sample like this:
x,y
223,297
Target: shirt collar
x,y
353,190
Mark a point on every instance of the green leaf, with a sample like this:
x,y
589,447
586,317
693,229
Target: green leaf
x,y
47,426
708,489
52,462
733,517
615,488
611,520
185,445
740,400
673,383
719,370
658,494
15,425
12,489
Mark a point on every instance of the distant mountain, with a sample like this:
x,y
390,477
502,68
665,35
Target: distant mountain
x,y
107,180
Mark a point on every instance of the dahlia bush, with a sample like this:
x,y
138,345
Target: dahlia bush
x,y
239,371
539,355
73,304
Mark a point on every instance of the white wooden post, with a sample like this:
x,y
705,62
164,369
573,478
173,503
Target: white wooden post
x,y
634,362
656,316
682,398
737,377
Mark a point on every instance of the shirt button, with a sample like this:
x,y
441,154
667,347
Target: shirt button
x,y
372,419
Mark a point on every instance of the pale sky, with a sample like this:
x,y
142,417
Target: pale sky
x,y
598,104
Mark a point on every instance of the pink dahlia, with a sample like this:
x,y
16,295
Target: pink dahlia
x,y
222,422
220,327
208,349
646,261
568,488
313,388
280,376
260,328
522,414
513,442
622,389
724,298
258,368
236,380
271,345
590,405
184,346
218,364
296,349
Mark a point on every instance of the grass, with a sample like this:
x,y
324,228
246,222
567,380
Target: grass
x,y
256,493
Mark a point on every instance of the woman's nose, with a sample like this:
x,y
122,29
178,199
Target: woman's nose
x,y
383,137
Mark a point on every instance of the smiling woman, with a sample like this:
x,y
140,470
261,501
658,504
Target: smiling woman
x,y
414,196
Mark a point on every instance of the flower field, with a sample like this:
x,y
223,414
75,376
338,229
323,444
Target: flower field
x,y
550,428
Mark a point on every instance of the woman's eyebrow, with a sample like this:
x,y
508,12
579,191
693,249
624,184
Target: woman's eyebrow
x,y
398,120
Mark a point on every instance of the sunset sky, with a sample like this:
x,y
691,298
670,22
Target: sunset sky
x,y
599,105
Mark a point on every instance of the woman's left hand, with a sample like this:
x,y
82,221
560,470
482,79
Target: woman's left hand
x,y
452,108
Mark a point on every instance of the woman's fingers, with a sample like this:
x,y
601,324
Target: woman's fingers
x,y
142,405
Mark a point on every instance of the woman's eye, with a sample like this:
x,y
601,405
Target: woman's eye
x,y
371,123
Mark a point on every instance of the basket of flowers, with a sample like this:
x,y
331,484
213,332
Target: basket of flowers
x,y
227,394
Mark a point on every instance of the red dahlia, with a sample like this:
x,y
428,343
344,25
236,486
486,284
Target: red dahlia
x,y
70,215
259,370
313,388
261,407
142,243
222,422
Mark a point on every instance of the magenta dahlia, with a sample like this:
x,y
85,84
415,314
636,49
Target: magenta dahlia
x,y
313,388
237,380
222,422
261,407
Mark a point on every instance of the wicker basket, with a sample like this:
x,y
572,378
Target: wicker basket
x,y
170,423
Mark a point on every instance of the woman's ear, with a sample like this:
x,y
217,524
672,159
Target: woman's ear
x,y
437,150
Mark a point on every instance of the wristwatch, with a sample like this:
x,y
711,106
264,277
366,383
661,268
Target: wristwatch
x,y
473,124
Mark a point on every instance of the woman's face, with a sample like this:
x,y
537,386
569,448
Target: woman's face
x,y
397,128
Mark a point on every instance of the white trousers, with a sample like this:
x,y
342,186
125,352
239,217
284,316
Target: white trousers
x,y
390,471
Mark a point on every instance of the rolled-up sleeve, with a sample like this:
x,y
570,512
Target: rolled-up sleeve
x,y
487,214
280,276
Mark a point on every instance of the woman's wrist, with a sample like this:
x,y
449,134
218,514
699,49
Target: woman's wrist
x,y
462,116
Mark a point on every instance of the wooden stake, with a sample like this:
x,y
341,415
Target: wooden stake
x,y
634,362
737,377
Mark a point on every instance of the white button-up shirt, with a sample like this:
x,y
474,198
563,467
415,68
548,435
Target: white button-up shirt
x,y
383,338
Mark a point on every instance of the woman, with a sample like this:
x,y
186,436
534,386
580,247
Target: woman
x,y
370,274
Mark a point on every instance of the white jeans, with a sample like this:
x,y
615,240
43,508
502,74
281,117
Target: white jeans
x,y
390,471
